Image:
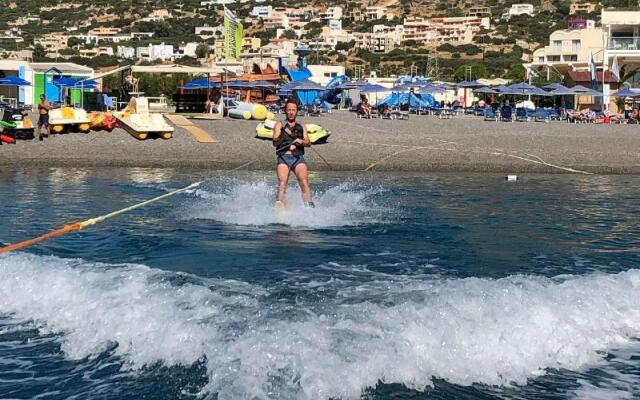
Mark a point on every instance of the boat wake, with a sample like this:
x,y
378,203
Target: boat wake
x,y
332,339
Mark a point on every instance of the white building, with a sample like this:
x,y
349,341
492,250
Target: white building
x,y
335,24
125,52
155,52
322,74
331,13
261,11
189,49
443,30
517,9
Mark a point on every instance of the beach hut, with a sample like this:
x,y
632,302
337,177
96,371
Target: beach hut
x,y
45,73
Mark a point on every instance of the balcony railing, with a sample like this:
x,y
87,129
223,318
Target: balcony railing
x,y
624,43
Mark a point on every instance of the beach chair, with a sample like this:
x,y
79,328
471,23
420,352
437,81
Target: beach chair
x,y
506,114
312,111
541,115
446,113
490,114
522,114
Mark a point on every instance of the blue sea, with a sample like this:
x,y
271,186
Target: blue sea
x,y
396,286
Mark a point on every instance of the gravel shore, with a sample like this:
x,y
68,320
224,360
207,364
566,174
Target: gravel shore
x,y
422,143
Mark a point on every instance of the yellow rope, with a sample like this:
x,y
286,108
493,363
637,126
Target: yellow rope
x,y
91,221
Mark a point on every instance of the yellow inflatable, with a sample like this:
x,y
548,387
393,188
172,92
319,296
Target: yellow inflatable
x,y
317,134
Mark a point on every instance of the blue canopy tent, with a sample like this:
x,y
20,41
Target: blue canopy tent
x,y
307,91
69,83
411,100
14,81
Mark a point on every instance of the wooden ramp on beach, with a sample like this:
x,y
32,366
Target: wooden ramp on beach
x,y
199,134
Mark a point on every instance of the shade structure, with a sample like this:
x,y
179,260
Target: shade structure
x,y
14,81
486,90
501,89
626,92
238,84
373,88
469,84
431,89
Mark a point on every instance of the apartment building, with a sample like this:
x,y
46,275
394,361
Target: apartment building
x,y
518,9
443,30
155,52
373,13
579,7
332,13
622,41
53,42
480,11
261,11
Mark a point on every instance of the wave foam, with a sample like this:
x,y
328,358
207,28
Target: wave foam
x,y
258,344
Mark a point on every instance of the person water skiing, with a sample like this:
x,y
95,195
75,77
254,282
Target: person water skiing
x,y
290,138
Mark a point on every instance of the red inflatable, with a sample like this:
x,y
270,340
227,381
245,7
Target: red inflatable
x,y
7,139
109,122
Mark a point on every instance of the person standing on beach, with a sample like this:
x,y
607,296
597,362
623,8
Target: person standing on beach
x,y
43,120
290,138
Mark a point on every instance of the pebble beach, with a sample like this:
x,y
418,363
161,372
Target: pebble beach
x,y
422,143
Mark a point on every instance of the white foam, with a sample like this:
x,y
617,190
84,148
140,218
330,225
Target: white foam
x,y
258,345
252,203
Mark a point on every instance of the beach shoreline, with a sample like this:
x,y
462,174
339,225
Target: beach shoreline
x,y
420,144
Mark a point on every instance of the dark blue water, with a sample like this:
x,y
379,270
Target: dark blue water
x,y
450,286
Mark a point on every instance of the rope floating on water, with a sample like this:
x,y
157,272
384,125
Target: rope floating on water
x,y
76,226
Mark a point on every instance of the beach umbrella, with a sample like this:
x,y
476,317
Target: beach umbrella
x,y
486,90
373,88
626,92
561,92
501,89
307,90
554,86
469,84
585,91
307,85
14,81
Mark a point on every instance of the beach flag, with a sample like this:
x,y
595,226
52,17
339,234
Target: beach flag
x,y
232,35
615,68
592,70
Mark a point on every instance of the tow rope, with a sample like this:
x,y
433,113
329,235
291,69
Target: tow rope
x,y
76,226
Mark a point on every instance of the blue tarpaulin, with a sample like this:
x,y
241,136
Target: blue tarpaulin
x,y
412,100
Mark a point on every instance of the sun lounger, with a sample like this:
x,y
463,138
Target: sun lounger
x,y
506,114
522,114
541,115
490,114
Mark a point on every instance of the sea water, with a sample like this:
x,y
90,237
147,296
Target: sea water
x,y
439,286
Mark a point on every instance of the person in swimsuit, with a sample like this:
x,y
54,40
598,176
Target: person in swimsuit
x,y
43,120
290,138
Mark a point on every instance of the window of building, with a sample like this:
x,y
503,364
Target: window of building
x,y
575,45
571,57
557,44
553,58
541,59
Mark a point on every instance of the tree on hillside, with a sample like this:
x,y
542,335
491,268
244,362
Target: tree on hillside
x,y
202,51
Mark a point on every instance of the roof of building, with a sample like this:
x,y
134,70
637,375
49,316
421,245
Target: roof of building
x,y
585,76
64,68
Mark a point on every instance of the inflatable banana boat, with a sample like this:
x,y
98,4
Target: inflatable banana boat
x,y
317,134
